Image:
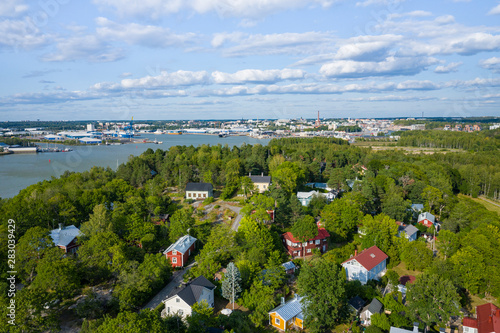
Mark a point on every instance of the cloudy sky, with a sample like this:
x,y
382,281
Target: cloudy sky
x,y
227,59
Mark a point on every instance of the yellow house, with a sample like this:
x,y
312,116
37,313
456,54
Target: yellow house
x,y
261,183
287,315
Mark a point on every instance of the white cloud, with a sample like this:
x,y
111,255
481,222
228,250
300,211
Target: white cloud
x,y
451,67
89,48
415,13
367,47
258,76
492,64
145,35
378,3
224,8
22,34
389,67
12,8
495,10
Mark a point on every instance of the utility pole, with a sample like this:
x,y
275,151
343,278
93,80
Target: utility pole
x,y
233,287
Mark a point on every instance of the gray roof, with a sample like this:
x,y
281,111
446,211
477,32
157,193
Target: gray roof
x,y
289,310
427,216
402,330
288,265
410,230
199,187
64,236
417,207
182,244
191,292
261,179
305,195
357,303
374,307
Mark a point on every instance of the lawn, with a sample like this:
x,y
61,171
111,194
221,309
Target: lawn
x,y
402,270
487,203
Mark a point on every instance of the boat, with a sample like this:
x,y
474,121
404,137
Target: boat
x,y
158,131
175,132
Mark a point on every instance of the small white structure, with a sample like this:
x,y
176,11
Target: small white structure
x,y
306,197
182,300
374,307
199,191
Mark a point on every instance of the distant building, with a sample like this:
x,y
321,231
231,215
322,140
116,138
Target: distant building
x,y
178,253
287,315
410,231
66,237
417,127
374,307
289,267
306,197
261,182
426,219
181,301
487,320
370,264
356,304
199,191
294,247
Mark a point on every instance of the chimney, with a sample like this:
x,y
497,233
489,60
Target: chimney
x,y
262,174
415,327
355,252
282,300
250,174
497,314
60,226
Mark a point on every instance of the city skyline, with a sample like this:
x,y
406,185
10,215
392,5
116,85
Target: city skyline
x,y
267,59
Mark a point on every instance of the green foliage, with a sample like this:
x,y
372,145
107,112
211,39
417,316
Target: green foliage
x,y
260,300
29,250
288,175
180,222
201,318
144,321
416,255
381,321
382,231
231,283
322,286
341,217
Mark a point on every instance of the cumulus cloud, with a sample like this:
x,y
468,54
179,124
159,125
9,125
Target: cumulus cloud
x,y
12,8
137,34
21,34
389,67
258,76
224,8
493,64
367,47
495,10
378,3
451,67
88,47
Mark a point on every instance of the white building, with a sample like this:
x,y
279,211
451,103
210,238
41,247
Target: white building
x,y
370,264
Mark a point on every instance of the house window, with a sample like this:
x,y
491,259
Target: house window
x,y
174,260
174,252
204,195
168,309
277,321
177,300
308,250
311,242
189,195
318,241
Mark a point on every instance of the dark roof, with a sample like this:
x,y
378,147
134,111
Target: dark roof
x,y
191,292
374,307
260,179
199,187
370,257
356,302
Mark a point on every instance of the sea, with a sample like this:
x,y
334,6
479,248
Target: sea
x,y
18,171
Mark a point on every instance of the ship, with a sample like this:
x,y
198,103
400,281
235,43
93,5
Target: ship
x,y
175,132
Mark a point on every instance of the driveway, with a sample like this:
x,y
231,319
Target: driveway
x,y
163,294
236,223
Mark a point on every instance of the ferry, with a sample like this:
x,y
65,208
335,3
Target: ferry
x,y
175,132
158,131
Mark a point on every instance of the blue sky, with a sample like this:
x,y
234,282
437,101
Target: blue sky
x,y
228,59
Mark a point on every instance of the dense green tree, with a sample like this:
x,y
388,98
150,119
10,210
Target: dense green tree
x,y
303,230
99,221
287,176
470,267
260,300
322,286
416,255
180,222
397,208
341,217
201,318
231,283
447,243
382,231
29,250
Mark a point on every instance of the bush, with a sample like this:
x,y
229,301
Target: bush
x,y
208,200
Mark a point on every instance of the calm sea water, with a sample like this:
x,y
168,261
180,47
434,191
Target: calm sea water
x,y
17,171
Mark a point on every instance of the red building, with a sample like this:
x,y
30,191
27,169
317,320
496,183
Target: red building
x,y
295,248
179,252
487,321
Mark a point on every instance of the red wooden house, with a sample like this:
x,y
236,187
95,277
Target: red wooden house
x,y
179,252
295,248
66,237
426,219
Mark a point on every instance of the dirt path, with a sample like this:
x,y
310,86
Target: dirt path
x,y
489,201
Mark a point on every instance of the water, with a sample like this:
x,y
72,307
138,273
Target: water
x,y
17,171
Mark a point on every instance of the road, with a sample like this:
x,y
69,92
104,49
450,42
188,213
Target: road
x,y
236,223
176,280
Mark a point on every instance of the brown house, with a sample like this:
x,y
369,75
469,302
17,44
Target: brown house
x,y
295,248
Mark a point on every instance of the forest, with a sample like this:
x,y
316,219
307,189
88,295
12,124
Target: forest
x,y
120,215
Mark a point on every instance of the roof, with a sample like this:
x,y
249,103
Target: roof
x,y
488,318
260,179
470,322
357,302
370,257
406,279
290,309
426,216
417,207
192,291
402,330
305,195
182,244
322,233
199,187
408,229
288,265
374,307
64,236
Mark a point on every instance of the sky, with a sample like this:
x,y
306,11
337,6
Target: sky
x,y
250,59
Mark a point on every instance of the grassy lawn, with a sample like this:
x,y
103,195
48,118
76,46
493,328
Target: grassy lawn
x,y
487,204
402,270
476,300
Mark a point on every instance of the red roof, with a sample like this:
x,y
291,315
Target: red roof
x,y
406,279
322,233
370,257
470,322
488,318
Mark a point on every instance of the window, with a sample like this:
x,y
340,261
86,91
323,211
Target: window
x,y
288,242
181,312
311,242
318,241
204,195
177,300
174,260
168,309
174,252
308,250
277,321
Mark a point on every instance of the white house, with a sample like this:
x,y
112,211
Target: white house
x,y
199,191
370,264
66,237
402,330
305,197
374,307
181,301
261,182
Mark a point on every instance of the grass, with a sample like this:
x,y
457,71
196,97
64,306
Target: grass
x,y
487,204
402,270
476,300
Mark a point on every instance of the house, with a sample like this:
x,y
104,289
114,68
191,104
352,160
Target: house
x,y
289,267
374,307
410,231
426,219
66,237
487,320
294,247
306,197
181,300
356,303
287,315
404,281
199,191
402,330
370,264
261,183
417,209
179,252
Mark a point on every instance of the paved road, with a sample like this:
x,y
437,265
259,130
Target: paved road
x,y
236,223
176,280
